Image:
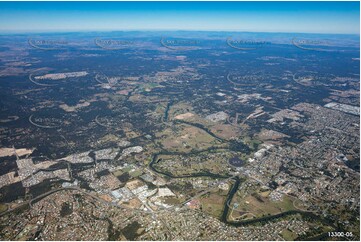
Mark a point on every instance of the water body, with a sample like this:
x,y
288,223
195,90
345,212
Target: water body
x,y
235,161
229,199
232,192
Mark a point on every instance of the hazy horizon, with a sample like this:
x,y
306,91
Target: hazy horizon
x,y
271,17
21,32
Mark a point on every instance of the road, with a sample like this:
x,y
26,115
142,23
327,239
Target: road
x,y
208,190
69,188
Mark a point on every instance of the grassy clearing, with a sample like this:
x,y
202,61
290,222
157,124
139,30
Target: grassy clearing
x,y
259,204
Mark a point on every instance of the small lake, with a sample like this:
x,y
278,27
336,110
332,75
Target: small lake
x,y
235,161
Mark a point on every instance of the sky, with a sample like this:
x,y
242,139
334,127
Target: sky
x,y
289,17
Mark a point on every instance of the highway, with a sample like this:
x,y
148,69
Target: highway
x,y
30,202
